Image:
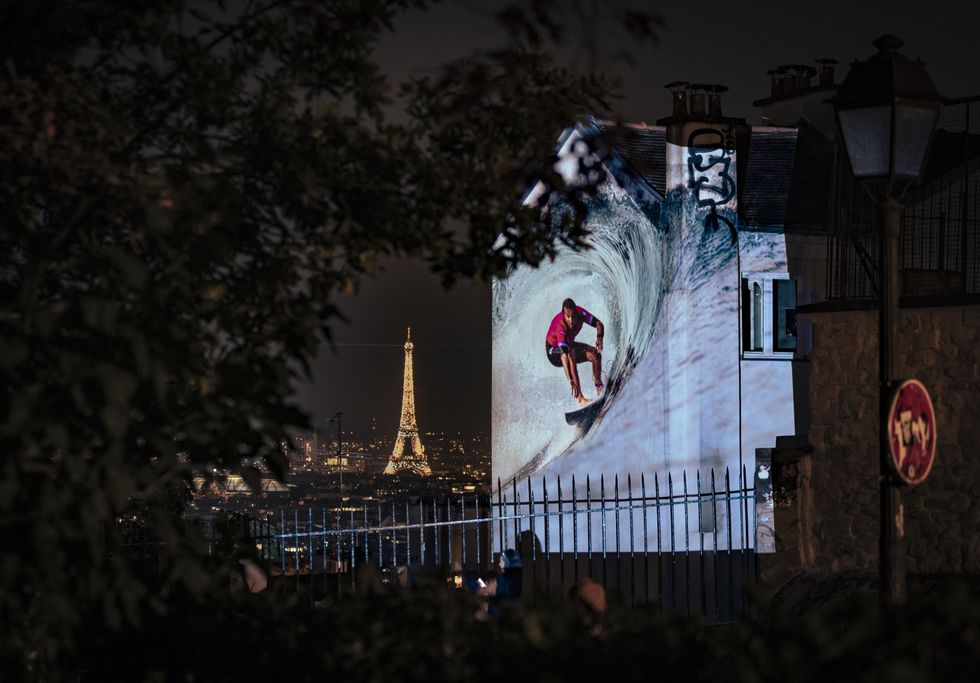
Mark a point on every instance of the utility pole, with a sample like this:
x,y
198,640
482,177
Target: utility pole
x,y
891,566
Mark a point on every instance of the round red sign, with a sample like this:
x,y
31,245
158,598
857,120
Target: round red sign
x,y
912,432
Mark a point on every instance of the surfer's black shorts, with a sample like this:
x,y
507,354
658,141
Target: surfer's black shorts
x,y
554,353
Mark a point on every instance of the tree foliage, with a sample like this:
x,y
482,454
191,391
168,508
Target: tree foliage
x,y
431,634
186,187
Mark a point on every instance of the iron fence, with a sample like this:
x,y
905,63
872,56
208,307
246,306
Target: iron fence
x,y
684,543
940,234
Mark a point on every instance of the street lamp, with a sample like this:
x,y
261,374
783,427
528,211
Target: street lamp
x,y
887,109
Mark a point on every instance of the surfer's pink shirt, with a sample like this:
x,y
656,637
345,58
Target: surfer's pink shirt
x,y
560,335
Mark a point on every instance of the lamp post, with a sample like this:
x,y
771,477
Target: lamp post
x,y
887,109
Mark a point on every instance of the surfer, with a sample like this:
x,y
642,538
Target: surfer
x,y
564,352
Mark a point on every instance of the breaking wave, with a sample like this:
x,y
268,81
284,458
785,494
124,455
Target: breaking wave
x,y
620,280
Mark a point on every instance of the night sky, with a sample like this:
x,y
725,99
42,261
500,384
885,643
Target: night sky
x,y
733,44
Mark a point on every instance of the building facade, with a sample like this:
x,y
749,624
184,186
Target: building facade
x,y
733,267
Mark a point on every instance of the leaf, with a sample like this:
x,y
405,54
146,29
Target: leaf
x,y
13,352
134,272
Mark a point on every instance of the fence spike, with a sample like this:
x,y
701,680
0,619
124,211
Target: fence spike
x,y
547,529
687,548
602,507
575,526
704,606
588,518
561,532
731,561
516,515
687,523
629,494
616,519
646,538
714,547
530,511
616,497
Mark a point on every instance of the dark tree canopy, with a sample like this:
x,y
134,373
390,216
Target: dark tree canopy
x,y
186,187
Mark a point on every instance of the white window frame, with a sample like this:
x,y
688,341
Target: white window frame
x,y
765,282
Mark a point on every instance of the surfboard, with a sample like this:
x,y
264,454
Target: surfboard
x,y
584,417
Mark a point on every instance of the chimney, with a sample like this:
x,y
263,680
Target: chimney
x,y
714,100
775,82
826,70
789,78
697,100
678,95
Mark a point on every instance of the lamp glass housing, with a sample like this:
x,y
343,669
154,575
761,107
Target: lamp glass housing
x,y
913,130
867,138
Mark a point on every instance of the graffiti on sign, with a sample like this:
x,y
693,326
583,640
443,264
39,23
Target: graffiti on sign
x,y
912,432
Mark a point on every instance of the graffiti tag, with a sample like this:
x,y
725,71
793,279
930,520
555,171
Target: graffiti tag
x,y
710,154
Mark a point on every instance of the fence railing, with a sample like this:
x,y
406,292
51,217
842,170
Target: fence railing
x,y
685,542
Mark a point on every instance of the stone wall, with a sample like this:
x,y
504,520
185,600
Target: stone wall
x,y
941,347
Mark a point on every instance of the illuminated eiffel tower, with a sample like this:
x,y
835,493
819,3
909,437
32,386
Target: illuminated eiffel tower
x,y
408,430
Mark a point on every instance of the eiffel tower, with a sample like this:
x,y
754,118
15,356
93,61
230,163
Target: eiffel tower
x,y
408,430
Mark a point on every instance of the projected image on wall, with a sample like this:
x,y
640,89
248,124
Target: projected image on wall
x,y
647,354
565,337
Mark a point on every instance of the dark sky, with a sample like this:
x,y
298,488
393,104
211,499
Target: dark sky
x,y
732,43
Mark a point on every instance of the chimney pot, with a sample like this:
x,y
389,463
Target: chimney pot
x,y
775,82
802,77
806,73
714,99
697,100
678,95
826,70
789,78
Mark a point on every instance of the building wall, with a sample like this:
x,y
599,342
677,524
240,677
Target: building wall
x,y
941,347
774,393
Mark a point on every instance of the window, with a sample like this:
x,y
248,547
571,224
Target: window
x,y
784,324
769,326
